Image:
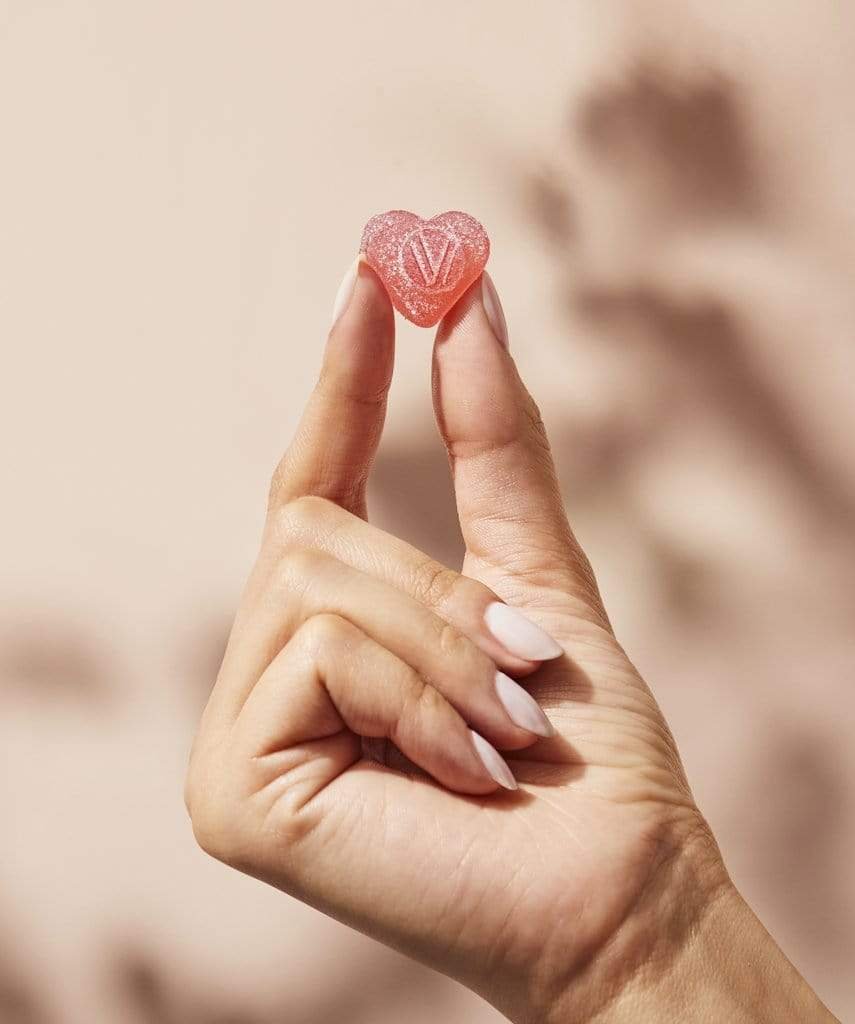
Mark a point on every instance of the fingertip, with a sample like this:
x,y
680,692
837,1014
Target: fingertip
x,y
371,296
494,764
493,309
345,292
360,298
359,352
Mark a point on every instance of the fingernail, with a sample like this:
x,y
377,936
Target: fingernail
x,y
493,761
345,291
523,710
519,635
493,309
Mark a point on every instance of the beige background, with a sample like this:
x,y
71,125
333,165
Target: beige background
x,y
668,190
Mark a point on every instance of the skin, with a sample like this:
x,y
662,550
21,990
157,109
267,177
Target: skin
x,y
595,892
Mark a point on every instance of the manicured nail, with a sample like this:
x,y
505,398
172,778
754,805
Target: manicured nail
x,y
345,291
493,761
519,635
523,710
493,309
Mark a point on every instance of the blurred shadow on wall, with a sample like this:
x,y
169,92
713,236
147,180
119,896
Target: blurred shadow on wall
x,y
52,661
152,996
684,144
685,161
48,657
20,1002
412,494
802,855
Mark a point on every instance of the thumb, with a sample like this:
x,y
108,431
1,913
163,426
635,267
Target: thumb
x,y
517,537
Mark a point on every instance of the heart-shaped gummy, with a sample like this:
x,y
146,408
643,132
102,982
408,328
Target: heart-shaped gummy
x,y
425,265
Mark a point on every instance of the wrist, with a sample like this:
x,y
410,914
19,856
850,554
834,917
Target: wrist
x,y
730,969
700,956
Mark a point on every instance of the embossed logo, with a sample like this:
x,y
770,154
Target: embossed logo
x,y
430,258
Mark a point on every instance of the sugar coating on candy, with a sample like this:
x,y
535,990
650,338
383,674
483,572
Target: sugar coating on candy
x,y
425,265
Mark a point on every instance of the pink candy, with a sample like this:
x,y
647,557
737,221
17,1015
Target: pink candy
x,y
425,265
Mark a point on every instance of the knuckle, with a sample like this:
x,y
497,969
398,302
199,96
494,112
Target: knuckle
x,y
436,584
429,700
327,631
465,660
421,703
302,518
453,643
297,566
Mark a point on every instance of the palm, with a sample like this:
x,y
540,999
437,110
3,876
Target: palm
x,y
545,874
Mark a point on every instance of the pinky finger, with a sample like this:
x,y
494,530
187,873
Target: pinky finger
x,y
332,684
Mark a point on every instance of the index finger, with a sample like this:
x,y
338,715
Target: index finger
x,y
333,448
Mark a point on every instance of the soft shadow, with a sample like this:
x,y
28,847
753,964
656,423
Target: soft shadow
x,y
412,496
685,139
717,371
153,994
802,850
678,150
51,658
21,1001
143,988
552,207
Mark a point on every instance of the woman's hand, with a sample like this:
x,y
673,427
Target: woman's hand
x,y
348,754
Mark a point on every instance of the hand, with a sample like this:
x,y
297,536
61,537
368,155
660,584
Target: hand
x,y
594,891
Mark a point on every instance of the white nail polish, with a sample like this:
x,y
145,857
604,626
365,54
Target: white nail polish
x,y
493,761
493,309
519,635
523,710
345,291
